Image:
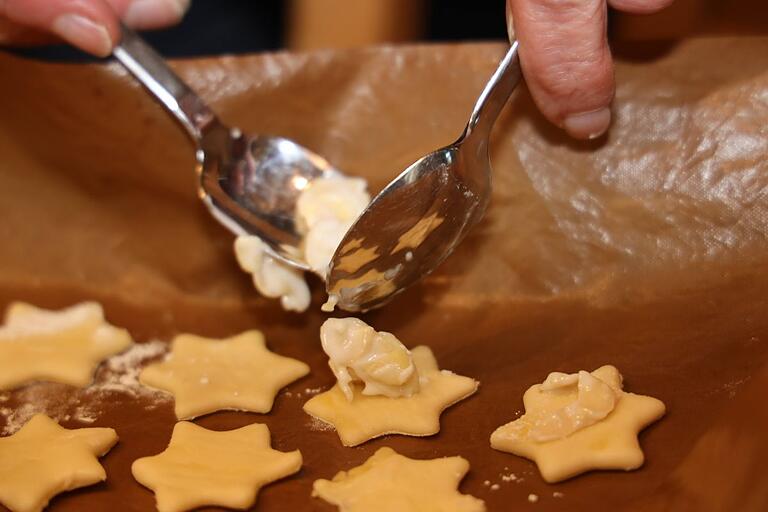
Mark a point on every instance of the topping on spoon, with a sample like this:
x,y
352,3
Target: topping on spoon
x,y
324,212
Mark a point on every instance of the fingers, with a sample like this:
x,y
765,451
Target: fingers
x,y
639,6
149,14
91,25
566,61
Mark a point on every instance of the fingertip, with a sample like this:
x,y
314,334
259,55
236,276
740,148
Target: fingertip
x,y
148,14
588,125
567,63
90,25
640,6
84,33
577,98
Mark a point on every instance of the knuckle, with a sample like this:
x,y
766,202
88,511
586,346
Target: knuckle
x,y
565,54
577,82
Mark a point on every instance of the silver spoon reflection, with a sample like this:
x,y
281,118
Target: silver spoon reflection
x,y
250,183
420,217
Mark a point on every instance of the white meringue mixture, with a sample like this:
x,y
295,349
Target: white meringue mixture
x,y
595,399
325,210
378,360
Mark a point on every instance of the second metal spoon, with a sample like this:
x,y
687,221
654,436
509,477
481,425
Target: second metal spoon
x,y
420,217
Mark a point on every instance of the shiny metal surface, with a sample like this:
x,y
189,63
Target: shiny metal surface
x,y
250,183
420,217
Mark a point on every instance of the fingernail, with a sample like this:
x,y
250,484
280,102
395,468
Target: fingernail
x,y
84,33
588,125
155,13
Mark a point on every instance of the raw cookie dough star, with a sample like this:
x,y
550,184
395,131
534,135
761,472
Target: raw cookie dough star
x,y
207,375
390,482
63,346
611,443
369,416
43,459
203,467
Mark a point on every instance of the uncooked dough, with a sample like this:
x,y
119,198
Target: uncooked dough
x,y
207,375
390,482
204,467
43,459
63,346
366,416
576,423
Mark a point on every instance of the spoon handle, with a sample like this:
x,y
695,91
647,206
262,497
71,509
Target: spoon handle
x,y
149,68
495,95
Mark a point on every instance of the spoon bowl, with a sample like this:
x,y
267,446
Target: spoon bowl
x,y
250,183
417,220
427,210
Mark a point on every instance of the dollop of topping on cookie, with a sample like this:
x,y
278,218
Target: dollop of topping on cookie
x,y
594,400
358,353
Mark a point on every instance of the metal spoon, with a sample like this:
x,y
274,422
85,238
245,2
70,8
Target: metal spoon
x,y
420,217
250,183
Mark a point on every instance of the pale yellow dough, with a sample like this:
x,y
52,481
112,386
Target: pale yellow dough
x,y
203,467
63,346
390,482
611,443
207,375
369,416
43,459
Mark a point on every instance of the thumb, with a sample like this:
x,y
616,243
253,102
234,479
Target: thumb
x,y
91,25
566,61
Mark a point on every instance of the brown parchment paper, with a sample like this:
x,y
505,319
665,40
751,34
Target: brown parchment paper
x,y
645,249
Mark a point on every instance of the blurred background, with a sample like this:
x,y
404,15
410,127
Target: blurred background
x,y
213,27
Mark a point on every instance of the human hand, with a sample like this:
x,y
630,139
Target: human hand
x,y
566,60
91,25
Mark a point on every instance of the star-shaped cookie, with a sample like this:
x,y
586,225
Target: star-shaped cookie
x,y
388,481
611,443
63,346
369,416
207,375
203,467
43,459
